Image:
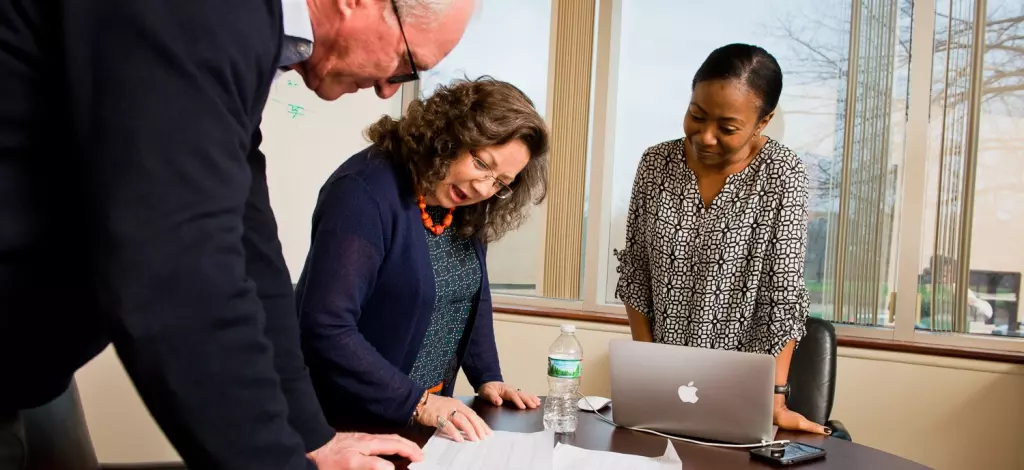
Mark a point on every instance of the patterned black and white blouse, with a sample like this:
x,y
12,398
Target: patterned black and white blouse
x,y
727,277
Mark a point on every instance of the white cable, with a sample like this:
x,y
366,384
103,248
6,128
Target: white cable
x,y
691,441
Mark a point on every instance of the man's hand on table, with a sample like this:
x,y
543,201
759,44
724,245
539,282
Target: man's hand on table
x,y
358,451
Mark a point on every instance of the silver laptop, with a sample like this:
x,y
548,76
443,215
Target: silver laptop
x,y
709,394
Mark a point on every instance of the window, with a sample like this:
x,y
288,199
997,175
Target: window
x,y
494,44
974,204
916,166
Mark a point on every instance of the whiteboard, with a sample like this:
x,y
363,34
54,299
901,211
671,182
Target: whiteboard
x,y
304,140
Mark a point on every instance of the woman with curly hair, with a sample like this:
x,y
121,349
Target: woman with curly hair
x,y
394,296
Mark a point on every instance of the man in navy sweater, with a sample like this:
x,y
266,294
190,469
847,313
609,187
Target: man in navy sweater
x,y
134,208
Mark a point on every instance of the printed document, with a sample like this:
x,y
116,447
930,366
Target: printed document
x,y
574,458
502,451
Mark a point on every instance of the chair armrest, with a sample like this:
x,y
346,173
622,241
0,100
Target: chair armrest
x,y
838,430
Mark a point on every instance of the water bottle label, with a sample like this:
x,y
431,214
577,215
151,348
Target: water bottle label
x,y
564,368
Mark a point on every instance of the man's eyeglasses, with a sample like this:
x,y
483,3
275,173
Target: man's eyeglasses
x,y
405,77
502,190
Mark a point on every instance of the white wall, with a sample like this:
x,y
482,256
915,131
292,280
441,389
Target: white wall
x,y
121,427
944,413
303,150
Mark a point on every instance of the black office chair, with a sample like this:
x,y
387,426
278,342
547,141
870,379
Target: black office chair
x,y
58,438
812,376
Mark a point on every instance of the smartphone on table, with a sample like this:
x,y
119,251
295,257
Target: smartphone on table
x,y
789,454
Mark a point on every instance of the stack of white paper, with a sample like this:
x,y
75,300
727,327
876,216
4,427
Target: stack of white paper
x,y
502,451
573,458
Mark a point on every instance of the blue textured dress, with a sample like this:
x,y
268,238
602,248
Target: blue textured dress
x,y
457,280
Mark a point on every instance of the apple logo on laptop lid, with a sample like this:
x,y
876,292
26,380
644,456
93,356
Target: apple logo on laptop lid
x,y
688,393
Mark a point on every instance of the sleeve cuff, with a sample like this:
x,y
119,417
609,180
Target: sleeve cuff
x,y
305,415
794,331
485,379
634,286
627,294
308,420
410,409
317,436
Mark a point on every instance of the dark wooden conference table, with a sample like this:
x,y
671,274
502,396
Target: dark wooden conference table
x,y
593,433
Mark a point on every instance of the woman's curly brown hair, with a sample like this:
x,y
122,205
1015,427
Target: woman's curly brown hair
x,y
462,116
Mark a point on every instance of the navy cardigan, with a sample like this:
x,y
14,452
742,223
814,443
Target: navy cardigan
x,y
366,296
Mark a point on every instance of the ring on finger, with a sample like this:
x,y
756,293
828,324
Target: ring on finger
x,y
441,422
451,417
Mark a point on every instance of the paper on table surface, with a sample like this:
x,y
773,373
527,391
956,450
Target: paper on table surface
x,y
568,457
502,451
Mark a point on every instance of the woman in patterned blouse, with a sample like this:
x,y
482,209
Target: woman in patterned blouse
x,y
717,225
394,297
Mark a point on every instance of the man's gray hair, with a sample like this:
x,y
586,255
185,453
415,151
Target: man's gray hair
x,y
424,12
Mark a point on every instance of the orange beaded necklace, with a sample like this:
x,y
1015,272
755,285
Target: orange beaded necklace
x,y
429,223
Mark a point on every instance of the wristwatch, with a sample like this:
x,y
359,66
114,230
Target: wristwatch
x,y
782,390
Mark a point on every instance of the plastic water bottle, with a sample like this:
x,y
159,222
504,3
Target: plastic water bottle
x,y
564,368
